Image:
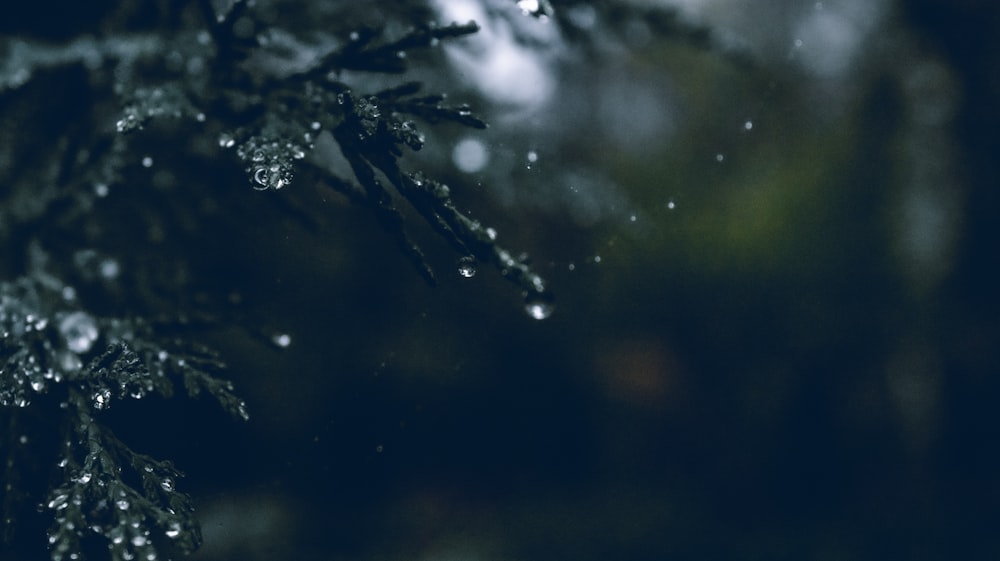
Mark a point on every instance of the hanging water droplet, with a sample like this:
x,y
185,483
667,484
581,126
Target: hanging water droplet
x,y
173,530
260,178
59,502
529,7
102,399
80,331
539,305
167,484
241,409
467,267
316,125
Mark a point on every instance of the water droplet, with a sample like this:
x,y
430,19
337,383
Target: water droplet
x,y
379,448
174,530
101,189
84,478
59,502
226,140
147,162
467,267
315,125
720,157
102,399
470,155
167,484
539,305
80,331
632,218
528,7
491,233
748,126
282,340
241,409
671,205
260,178
109,269
38,385
122,504
532,156
139,540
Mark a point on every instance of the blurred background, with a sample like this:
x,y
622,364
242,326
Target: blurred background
x,y
769,228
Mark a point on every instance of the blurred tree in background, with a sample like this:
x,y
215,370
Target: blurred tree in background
x,y
769,229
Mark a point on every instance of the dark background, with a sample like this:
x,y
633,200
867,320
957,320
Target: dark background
x,y
788,352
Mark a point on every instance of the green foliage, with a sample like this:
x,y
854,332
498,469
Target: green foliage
x,y
64,362
61,362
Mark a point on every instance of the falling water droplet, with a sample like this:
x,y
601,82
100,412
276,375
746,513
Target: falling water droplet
x,y
467,267
470,155
539,305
